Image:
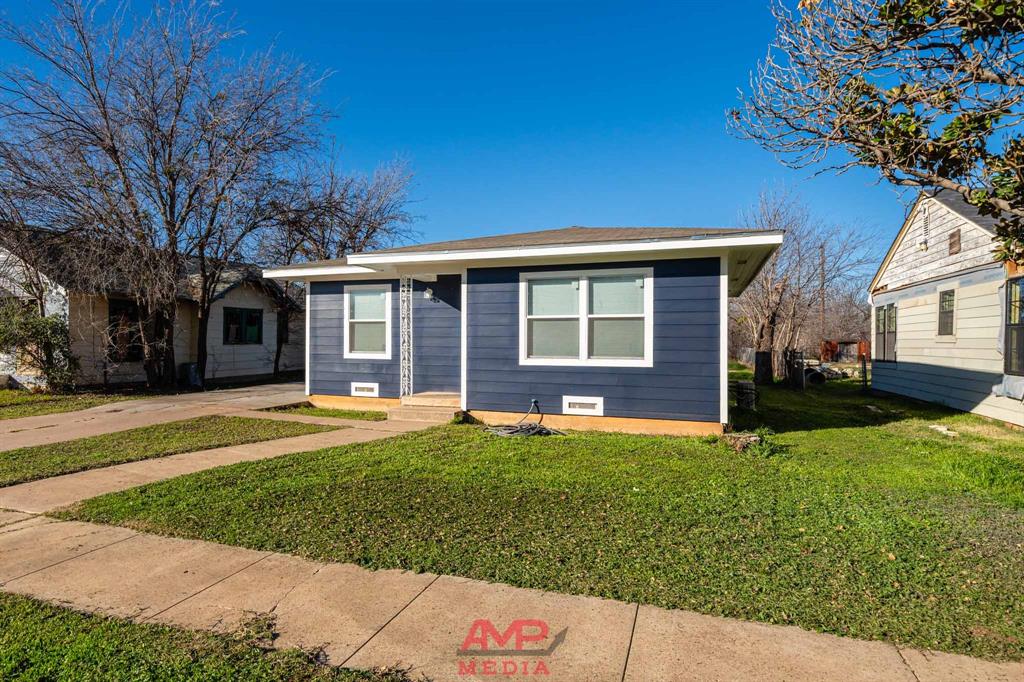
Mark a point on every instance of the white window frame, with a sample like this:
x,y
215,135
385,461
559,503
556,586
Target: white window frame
x,y
583,314
352,355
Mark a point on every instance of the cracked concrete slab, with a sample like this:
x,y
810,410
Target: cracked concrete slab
x,y
7,517
428,634
35,545
342,606
136,578
257,589
681,645
937,666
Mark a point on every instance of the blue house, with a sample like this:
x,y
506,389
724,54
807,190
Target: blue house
x,y
593,327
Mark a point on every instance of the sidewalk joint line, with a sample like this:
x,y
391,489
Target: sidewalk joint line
x,y
197,592
629,648
906,662
72,558
400,611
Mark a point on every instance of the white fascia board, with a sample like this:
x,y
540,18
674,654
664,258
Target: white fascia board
x,y
521,253
302,272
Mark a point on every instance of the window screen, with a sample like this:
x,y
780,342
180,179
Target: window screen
x,y
586,317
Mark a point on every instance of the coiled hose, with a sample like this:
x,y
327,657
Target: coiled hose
x,y
525,428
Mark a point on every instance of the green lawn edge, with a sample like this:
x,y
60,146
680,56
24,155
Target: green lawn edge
x,y
856,519
313,411
40,641
160,440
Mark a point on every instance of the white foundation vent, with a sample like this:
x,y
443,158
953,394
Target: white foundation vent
x,y
585,405
365,389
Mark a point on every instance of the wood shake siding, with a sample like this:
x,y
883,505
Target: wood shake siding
x,y
683,384
330,373
910,263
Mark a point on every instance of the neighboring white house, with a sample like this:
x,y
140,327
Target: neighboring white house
x,y
242,339
947,323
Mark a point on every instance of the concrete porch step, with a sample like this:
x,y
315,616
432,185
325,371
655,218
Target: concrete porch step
x,y
416,413
432,399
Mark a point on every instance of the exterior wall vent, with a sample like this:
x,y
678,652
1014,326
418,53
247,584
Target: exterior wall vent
x,y
365,389
583,405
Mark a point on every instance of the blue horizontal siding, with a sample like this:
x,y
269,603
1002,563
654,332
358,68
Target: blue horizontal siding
x,y
683,384
436,328
329,372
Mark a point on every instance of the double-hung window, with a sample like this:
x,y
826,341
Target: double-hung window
x,y
597,318
368,321
1014,350
947,309
885,333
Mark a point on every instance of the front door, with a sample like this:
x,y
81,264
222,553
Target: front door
x,y
436,333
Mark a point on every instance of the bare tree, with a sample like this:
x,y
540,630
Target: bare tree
x,y
776,311
144,137
326,213
928,93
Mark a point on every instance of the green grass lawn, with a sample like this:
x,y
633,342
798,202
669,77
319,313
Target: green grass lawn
x,y
21,403
202,433
851,520
312,411
43,642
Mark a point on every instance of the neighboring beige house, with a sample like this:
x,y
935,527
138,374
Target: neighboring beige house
x,y
948,322
242,334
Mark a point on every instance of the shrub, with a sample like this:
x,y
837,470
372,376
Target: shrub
x,y
42,343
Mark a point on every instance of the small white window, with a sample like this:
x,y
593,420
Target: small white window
x,y
368,321
598,318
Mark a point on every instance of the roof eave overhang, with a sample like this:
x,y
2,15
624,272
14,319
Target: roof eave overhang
x,y
759,246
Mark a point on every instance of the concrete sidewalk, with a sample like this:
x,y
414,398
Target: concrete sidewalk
x,y
131,414
47,494
365,619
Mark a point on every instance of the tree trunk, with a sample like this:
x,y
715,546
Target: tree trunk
x,y
283,320
202,343
763,371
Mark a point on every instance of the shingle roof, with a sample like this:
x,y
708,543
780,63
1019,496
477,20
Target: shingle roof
x,y
956,202
565,235
62,259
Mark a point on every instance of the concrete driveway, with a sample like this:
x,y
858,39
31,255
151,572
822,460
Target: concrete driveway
x,y
131,414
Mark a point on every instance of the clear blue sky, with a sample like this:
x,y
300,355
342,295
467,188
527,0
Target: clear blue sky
x,y
529,115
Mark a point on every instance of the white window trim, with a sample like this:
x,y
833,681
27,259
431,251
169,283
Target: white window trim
x,y
583,313
374,391
955,288
597,411
350,355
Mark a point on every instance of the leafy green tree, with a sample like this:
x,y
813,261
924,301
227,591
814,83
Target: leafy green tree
x,y
927,92
43,343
